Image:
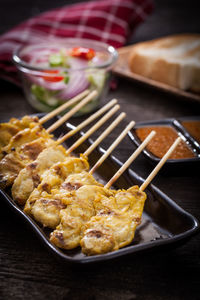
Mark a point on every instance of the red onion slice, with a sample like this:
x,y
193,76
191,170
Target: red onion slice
x,y
77,79
77,83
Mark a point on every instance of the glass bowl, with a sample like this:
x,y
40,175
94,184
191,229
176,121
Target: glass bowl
x,y
54,72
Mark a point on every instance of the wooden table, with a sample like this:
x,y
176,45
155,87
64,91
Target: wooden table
x,y
28,271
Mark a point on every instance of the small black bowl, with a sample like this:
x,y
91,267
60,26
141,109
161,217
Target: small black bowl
x,y
171,164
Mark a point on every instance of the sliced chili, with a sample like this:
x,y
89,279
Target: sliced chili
x,y
50,78
85,53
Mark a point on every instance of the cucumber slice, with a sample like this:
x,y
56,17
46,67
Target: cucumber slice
x,y
56,60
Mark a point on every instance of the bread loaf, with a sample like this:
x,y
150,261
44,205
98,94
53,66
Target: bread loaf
x,y
174,60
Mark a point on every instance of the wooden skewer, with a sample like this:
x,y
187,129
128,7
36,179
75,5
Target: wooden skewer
x,y
105,134
159,165
93,128
130,160
72,111
87,121
63,107
112,147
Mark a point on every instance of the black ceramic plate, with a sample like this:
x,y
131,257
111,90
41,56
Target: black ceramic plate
x,y
163,221
176,124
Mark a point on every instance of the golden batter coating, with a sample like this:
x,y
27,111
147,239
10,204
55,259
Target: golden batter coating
x,y
25,136
29,177
46,209
73,219
114,227
23,148
15,161
98,219
8,130
24,122
6,133
52,179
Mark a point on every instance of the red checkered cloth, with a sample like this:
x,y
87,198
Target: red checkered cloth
x,y
108,21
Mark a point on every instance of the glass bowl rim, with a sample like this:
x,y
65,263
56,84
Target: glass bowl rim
x,y
26,67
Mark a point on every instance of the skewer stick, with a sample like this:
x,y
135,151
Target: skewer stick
x,y
130,160
112,147
93,128
72,111
159,165
63,107
87,121
105,134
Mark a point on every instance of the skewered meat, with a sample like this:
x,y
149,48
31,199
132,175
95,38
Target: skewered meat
x,y
101,220
114,226
29,177
52,179
46,210
25,136
27,144
25,122
73,219
8,130
64,195
14,162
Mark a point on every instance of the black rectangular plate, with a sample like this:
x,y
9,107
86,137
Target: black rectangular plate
x,y
176,124
163,221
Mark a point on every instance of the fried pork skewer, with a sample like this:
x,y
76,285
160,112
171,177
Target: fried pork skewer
x,y
29,177
45,202
59,186
25,146
10,129
53,178
112,229
82,208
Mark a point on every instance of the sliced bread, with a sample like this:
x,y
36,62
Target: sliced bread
x,y
174,60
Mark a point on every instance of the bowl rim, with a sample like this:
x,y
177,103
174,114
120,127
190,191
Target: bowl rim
x,y
27,67
175,123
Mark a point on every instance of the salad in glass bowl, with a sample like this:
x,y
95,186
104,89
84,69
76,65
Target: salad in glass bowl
x,y
53,73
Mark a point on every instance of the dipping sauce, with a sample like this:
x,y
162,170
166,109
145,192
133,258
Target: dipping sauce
x,y
193,127
161,142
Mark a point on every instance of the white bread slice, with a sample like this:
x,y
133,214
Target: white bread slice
x,y
174,60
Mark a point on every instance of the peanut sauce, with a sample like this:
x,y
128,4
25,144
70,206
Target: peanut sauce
x,y
193,127
161,142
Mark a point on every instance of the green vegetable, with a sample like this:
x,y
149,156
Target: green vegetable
x,y
59,59
66,79
56,60
44,96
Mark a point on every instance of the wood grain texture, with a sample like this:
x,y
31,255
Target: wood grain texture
x,y
28,271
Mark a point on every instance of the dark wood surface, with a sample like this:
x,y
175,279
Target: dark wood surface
x,y
28,271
